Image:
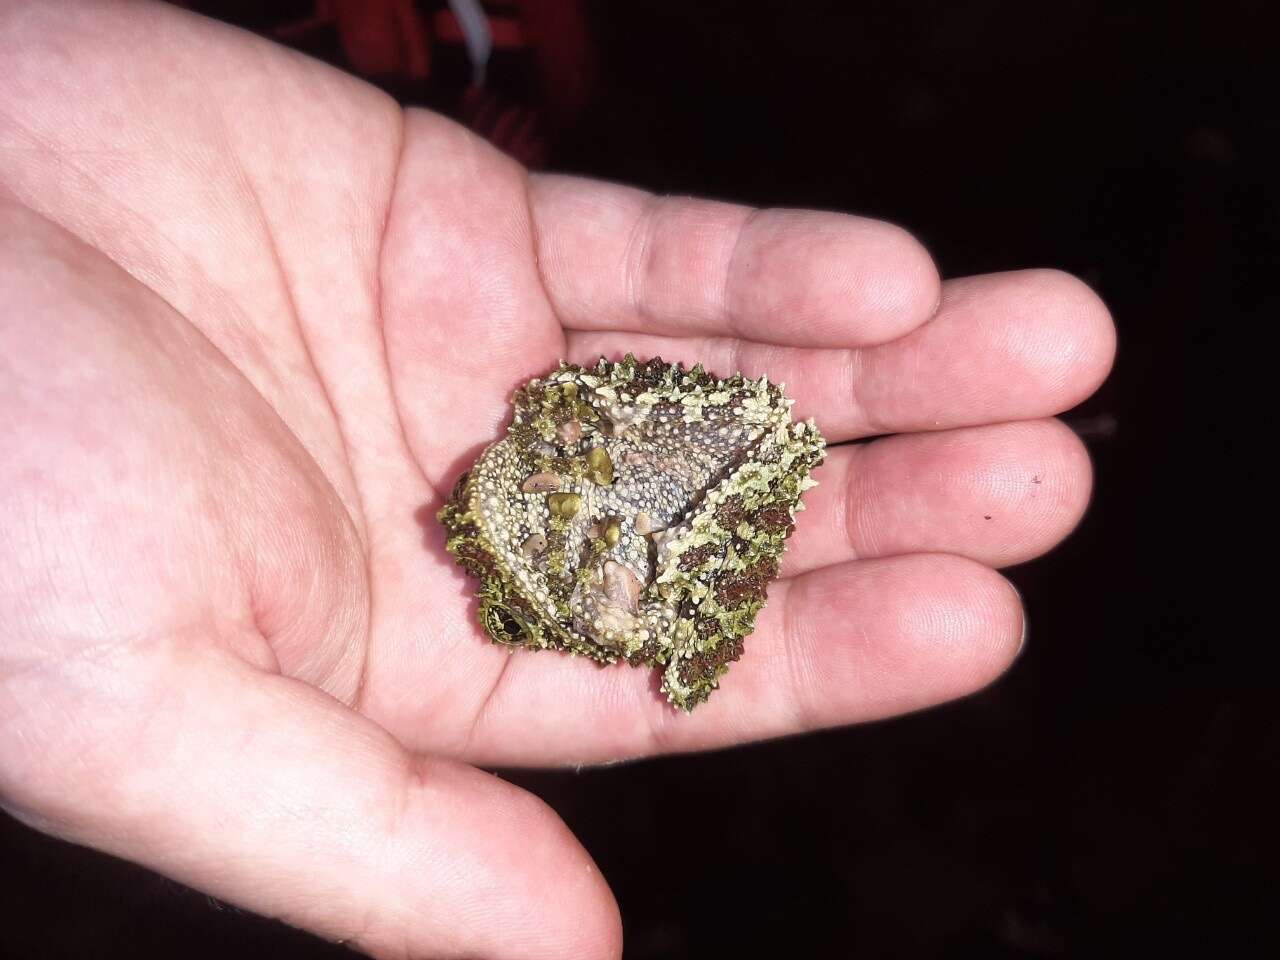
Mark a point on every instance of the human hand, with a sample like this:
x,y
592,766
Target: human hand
x,y
256,320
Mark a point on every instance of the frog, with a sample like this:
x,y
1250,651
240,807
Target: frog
x,y
635,513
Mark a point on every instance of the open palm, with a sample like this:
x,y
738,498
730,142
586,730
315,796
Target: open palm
x,y
257,319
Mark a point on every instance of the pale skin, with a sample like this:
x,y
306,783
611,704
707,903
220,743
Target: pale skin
x,y
255,319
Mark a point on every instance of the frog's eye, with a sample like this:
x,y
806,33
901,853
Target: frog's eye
x,y
503,624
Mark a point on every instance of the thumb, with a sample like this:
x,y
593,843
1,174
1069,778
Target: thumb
x,y
271,795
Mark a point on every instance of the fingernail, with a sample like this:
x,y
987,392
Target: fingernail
x,y
1026,624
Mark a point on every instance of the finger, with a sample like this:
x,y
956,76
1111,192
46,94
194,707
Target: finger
x,y
464,314
1000,494
1005,346
615,258
265,792
847,643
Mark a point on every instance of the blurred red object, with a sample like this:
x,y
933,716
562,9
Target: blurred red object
x,y
540,73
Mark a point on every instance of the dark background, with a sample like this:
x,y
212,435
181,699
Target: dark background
x,y
1109,795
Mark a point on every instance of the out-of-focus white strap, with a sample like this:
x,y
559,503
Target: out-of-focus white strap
x,y
475,27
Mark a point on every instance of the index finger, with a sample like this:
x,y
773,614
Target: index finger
x,y
617,258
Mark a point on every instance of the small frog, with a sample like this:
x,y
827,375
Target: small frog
x,y
635,511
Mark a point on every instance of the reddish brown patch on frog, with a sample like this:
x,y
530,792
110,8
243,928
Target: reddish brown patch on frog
x,y
695,557
750,584
706,665
645,655
650,373
731,513
773,518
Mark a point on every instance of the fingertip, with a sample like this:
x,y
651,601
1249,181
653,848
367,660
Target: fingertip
x,y
1072,479
1077,343
873,638
907,292
997,634
603,937
960,628
812,278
